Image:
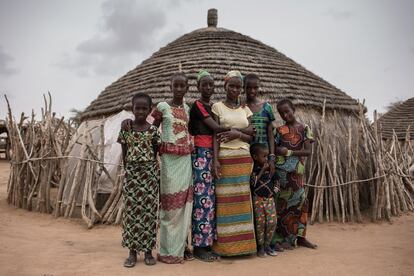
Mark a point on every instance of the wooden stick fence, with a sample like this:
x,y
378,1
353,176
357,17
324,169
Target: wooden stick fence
x,y
352,169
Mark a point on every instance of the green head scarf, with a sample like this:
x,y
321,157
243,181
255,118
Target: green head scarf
x,y
202,74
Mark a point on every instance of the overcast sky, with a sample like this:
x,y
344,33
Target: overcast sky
x,y
76,48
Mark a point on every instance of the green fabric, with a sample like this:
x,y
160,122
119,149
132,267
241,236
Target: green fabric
x,y
140,201
260,120
141,145
176,179
140,189
202,74
169,121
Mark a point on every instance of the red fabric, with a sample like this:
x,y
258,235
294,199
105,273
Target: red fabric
x,y
170,148
204,141
170,259
176,200
202,109
236,238
157,115
233,199
232,161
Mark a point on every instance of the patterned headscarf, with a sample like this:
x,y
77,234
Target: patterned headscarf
x,y
202,74
232,74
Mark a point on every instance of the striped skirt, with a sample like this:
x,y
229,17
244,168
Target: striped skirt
x,y
235,227
176,206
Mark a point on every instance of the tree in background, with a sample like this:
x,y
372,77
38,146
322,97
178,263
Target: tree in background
x,y
75,116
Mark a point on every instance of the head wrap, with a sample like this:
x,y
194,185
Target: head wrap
x,y
202,74
233,74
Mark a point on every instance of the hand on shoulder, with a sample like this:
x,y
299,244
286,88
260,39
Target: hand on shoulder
x,y
126,125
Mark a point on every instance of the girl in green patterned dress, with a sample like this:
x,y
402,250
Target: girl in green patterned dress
x,y
176,188
262,117
141,182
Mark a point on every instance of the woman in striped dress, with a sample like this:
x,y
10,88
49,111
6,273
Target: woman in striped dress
x,y
232,168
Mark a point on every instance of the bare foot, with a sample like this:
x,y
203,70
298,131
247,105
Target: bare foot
x,y
305,243
286,245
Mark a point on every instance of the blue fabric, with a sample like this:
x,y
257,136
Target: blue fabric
x,y
204,217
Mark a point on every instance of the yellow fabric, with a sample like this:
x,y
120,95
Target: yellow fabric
x,y
232,118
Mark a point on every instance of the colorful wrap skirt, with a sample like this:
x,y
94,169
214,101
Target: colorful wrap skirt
x,y
291,207
176,206
235,227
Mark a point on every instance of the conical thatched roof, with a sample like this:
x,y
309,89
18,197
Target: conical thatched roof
x,y
398,119
219,50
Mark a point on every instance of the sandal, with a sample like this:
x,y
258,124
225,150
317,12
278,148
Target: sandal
x,y
149,260
188,255
277,247
130,261
261,253
202,254
216,256
270,252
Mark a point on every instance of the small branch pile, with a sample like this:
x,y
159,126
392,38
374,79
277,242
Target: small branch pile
x,y
40,141
353,169
40,171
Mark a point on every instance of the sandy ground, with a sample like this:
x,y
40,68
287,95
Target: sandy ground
x,y
37,244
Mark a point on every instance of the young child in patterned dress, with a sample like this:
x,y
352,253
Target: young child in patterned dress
x,y
263,185
141,182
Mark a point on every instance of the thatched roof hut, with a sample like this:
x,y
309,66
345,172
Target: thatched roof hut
x,y
219,50
399,119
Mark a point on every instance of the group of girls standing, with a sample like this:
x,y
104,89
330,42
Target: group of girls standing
x,y
206,180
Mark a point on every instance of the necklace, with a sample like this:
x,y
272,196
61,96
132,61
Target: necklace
x,y
176,105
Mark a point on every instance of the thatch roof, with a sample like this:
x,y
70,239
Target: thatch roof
x,y
219,50
399,118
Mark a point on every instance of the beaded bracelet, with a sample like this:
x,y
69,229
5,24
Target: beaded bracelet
x,y
271,157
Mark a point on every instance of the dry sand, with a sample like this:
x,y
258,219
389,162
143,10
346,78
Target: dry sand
x,y
37,244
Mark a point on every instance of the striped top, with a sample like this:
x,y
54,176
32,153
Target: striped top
x,y
260,121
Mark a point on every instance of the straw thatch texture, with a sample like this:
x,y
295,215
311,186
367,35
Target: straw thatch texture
x,y
400,119
219,50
